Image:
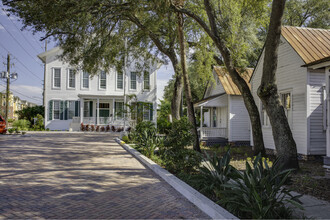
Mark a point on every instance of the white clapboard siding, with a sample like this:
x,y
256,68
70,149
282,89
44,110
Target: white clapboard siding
x,y
292,77
317,134
239,120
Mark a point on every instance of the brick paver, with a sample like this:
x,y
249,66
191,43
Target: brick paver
x,y
75,175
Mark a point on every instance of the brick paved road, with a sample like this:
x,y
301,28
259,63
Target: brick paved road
x,y
66,175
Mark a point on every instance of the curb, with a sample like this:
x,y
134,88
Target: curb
x,y
202,202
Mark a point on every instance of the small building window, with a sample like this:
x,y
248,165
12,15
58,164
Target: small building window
x,y
57,78
120,80
146,81
214,117
119,110
86,109
71,109
85,80
286,100
72,78
103,80
133,80
56,109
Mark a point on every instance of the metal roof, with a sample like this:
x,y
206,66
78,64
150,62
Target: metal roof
x,y
227,82
311,44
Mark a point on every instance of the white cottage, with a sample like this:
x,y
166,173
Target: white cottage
x,y
301,82
223,113
74,96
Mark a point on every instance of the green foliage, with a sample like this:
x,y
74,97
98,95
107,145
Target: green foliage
x,y
177,157
258,192
11,130
21,124
307,13
163,124
29,113
39,124
10,120
125,139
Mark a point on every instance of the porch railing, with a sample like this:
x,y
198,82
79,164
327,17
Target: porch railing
x,y
207,132
104,121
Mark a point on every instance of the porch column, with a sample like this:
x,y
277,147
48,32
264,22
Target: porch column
x,y
81,110
113,110
98,111
201,125
326,159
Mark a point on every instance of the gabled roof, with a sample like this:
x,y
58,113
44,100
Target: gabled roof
x,y
43,55
311,44
227,82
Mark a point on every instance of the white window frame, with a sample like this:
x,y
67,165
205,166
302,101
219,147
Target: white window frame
x,y
100,88
59,109
82,81
265,123
116,115
74,79
53,78
144,89
74,109
289,117
130,81
120,89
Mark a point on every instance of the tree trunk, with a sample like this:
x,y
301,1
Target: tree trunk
x,y
285,144
190,107
177,91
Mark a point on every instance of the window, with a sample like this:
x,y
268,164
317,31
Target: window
x,y
57,78
264,116
103,80
286,102
56,109
104,109
72,78
119,108
71,109
85,80
214,114
141,111
133,80
120,81
147,108
146,81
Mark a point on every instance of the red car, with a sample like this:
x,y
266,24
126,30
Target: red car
x,y
2,125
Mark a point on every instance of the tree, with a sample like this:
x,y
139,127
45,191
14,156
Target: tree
x,y
29,113
91,32
267,91
231,25
307,13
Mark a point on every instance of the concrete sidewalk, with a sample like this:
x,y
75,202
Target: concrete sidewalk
x,y
313,208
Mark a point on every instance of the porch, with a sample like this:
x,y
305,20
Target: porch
x,y
213,118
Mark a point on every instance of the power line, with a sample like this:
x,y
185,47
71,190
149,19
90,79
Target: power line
x,y
20,31
20,61
19,43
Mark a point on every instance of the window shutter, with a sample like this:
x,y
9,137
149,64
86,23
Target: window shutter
x,y
76,108
50,110
61,110
91,109
66,110
151,111
139,112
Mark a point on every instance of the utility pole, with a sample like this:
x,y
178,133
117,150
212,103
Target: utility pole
x,y
7,90
44,91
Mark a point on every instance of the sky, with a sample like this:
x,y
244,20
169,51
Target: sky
x,y
24,47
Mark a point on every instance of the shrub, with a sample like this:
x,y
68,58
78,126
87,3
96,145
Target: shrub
x,y
125,139
97,128
87,128
102,129
82,127
21,124
92,127
113,128
108,128
177,157
258,192
11,130
39,123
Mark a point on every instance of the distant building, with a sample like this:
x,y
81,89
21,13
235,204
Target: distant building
x,y
15,104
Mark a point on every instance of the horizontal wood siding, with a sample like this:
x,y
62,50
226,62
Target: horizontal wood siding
x,y
290,76
317,134
239,122
215,87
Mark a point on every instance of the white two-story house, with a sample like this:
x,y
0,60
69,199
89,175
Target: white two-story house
x,y
74,97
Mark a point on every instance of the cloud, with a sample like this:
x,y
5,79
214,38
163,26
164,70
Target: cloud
x,y
29,93
161,83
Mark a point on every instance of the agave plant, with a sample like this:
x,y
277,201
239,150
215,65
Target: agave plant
x,y
258,192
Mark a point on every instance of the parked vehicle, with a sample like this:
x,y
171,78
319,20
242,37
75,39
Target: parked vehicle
x,y
3,129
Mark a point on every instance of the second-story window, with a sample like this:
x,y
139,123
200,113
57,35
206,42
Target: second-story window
x,y
146,81
85,80
103,80
72,79
57,78
133,80
120,82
